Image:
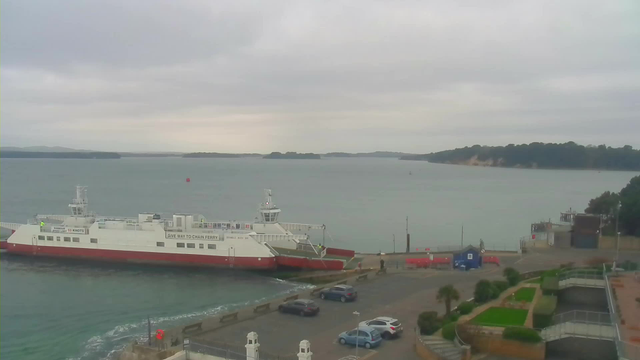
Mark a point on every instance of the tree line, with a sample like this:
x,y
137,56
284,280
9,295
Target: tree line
x,y
625,206
540,155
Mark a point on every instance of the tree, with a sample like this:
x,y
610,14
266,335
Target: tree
x,y
629,216
512,275
604,204
630,209
484,291
447,294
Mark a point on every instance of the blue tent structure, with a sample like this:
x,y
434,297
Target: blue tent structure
x,y
467,258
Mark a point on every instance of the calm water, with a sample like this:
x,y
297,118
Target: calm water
x,y
57,310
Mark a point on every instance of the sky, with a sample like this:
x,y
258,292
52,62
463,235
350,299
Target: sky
x,y
317,76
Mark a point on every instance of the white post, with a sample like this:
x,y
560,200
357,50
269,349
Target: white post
x,y
252,346
357,331
305,350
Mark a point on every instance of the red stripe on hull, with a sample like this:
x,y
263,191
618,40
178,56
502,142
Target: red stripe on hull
x,y
267,263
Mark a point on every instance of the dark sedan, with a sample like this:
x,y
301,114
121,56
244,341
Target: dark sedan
x,y
300,307
343,293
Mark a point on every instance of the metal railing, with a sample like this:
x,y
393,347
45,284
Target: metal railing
x,y
583,317
594,274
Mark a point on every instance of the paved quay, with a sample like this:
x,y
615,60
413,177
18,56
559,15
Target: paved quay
x,y
402,294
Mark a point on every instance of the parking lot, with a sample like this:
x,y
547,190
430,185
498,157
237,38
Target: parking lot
x,y
402,295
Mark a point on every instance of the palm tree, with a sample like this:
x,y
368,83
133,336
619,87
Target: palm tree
x,y
447,294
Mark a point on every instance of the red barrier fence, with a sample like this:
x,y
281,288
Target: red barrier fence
x,y
341,252
426,262
491,260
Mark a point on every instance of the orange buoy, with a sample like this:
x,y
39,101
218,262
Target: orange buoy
x,y
188,179
159,334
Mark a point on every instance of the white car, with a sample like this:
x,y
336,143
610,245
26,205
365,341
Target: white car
x,y
387,326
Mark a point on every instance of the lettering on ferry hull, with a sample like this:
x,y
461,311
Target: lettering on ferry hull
x,y
168,235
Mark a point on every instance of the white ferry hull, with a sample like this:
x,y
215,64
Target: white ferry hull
x,y
268,263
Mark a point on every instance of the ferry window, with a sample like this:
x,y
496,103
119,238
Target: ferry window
x,y
40,237
57,238
180,244
50,238
160,244
191,245
94,240
201,246
66,238
211,246
75,239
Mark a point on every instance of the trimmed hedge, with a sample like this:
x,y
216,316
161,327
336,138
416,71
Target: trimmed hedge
x,y
550,285
449,331
465,307
543,311
521,334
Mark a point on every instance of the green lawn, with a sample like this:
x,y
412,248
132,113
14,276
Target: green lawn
x,y
501,317
525,294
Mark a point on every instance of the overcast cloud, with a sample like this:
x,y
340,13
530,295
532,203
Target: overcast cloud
x,y
317,76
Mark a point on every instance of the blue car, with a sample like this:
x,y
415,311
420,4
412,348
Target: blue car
x,y
363,336
343,293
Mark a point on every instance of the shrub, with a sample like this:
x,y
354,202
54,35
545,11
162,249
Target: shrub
x,y
428,322
521,334
449,331
500,285
512,275
550,285
452,317
465,307
543,311
484,291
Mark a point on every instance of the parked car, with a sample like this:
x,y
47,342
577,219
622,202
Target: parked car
x,y
388,327
343,293
362,336
302,307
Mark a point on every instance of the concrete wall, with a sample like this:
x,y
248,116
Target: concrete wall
x,y
626,243
499,346
562,239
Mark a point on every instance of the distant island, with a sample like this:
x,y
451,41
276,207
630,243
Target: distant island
x,y
150,154
217,155
58,155
291,155
539,155
375,154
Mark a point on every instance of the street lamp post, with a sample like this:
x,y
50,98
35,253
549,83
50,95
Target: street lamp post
x,y
394,243
618,232
357,314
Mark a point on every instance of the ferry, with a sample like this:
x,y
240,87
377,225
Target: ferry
x,y
182,239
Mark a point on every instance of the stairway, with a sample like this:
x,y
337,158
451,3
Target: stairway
x,y
446,349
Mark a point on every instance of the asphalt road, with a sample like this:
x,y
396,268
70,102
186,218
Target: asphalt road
x,y
402,295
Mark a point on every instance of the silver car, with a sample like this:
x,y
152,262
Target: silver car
x,y
387,326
